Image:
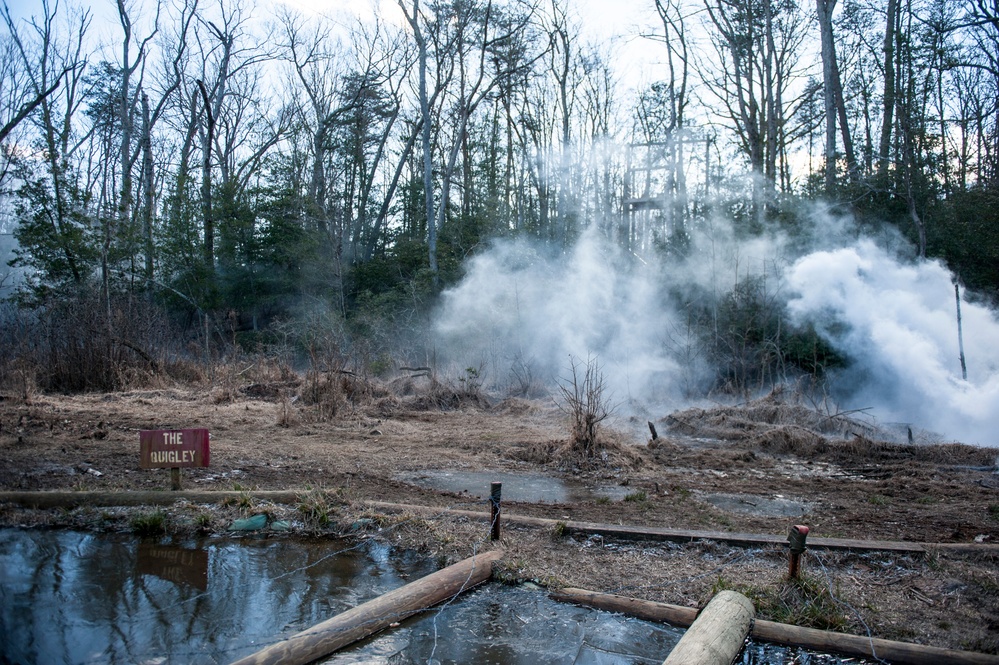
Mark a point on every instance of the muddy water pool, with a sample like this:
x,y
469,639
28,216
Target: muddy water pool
x,y
525,487
79,597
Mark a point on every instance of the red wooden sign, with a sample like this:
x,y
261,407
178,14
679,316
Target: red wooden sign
x,y
173,449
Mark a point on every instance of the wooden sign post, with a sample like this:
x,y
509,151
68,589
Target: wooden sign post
x,y
173,449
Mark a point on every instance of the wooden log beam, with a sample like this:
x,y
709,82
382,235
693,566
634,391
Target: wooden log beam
x,y
718,633
369,618
646,610
690,535
59,499
900,653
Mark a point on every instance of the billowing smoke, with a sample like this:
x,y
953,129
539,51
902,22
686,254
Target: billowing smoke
x,y
522,315
526,315
897,322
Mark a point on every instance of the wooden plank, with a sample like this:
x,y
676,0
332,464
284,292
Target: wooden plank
x,y
902,653
717,635
377,614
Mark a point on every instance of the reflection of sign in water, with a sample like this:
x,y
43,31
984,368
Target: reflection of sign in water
x,y
175,564
166,449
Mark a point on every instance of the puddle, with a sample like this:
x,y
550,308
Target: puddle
x,y
751,504
73,597
528,488
515,625
503,625
82,598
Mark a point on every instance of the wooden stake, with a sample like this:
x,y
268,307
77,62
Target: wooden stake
x,y
960,334
175,478
717,635
495,495
375,615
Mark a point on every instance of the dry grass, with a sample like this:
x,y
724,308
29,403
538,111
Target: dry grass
x,y
775,425
763,415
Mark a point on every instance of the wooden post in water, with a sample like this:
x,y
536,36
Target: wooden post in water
x,y
718,633
369,618
495,496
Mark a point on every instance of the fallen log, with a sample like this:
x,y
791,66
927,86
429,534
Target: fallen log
x,y
901,653
717,634
369,618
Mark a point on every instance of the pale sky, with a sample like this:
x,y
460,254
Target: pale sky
x,y
608,21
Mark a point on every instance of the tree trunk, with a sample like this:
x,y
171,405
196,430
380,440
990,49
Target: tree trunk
x,y
824,10
148,193
888,107
206,179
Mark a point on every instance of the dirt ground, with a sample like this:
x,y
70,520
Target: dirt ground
x,y
720,469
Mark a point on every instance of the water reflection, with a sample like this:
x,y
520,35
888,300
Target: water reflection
x,y
80,598
72,597
174,564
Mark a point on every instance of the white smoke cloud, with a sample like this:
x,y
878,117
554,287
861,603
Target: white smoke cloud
x,y
518,305
898,323
893,318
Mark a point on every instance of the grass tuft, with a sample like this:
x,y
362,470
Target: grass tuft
x,y
805,601
149,524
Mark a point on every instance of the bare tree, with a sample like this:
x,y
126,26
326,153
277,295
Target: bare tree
x,y
832,88
51,218
584,401
757,45
414,19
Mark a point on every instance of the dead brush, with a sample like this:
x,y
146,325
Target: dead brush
x,y
775,421
583,400
790,439
941,453
287,414
449,394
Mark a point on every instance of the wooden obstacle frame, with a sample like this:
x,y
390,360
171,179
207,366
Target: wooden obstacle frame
x,y
382,612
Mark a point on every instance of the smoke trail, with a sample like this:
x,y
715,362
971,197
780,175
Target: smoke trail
x,y
897,322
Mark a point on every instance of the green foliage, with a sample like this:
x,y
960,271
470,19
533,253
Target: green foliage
x,y
203,520
149,524
964,232
318,507
751,341
638,496
56,238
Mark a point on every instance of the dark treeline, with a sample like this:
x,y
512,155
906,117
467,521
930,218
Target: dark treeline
x,y
221,171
